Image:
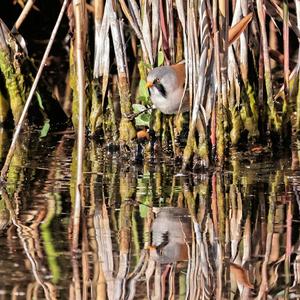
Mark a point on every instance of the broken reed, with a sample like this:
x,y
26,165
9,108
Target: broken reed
x,y
237,93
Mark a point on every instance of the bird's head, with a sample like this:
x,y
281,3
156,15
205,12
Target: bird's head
x,y
161,80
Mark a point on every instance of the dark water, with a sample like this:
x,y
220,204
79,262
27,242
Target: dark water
x,y
148,231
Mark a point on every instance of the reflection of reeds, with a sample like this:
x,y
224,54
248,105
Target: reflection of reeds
x,y
225,250
30,241
233,233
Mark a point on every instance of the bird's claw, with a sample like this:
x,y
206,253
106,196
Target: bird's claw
x,y
132,116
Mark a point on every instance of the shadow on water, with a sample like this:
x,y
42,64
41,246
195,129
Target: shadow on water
x,y
148,231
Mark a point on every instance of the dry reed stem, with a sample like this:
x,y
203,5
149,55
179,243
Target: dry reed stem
x,y
267,67
298,66
79,14
286,48
28,6
102,44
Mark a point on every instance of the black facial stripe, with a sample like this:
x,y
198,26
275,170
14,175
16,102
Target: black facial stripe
x,y
160,88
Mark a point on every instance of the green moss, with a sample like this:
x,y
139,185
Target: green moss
x,y
15,173
298,106
127,131
248,113
220,134
252,101
251,122
96,116
110,123
202,151
4,142
4,108
15,84
235,132
189,148
273,116
156,124
73,85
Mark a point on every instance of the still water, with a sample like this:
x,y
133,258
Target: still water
x,y
147,230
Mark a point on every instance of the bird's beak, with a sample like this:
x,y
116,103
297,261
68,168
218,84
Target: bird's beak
x,y
149,84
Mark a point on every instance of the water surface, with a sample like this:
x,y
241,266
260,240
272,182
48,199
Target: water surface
x,y
147,230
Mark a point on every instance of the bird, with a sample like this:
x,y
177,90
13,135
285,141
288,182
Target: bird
x,y
166,88
166,83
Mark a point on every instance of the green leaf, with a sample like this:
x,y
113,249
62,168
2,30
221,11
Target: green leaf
x,y
148,66
45,129
137,108
143,99
142,119
143,210
143,92
40,101
160,58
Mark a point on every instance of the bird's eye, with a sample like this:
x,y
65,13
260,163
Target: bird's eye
x,y
156,80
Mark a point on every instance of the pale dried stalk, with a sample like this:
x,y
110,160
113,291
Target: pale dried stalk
x,y
234,86
221,56
28,6
101,43
223,23
117,40
101,59
170,19
121,29
99,11
126,127
146,34
298,66
141,29
155,27
286,68
217,78
267,66
244,44
79,14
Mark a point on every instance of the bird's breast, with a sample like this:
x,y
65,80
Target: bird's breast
x,y
170,103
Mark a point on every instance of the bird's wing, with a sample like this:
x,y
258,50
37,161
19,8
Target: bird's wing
x,y
180,71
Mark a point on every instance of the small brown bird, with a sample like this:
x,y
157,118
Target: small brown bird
x,y
166,86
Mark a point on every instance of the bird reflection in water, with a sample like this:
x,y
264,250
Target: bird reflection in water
x,y
171,235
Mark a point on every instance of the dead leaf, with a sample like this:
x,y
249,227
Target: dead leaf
x,y
238,28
